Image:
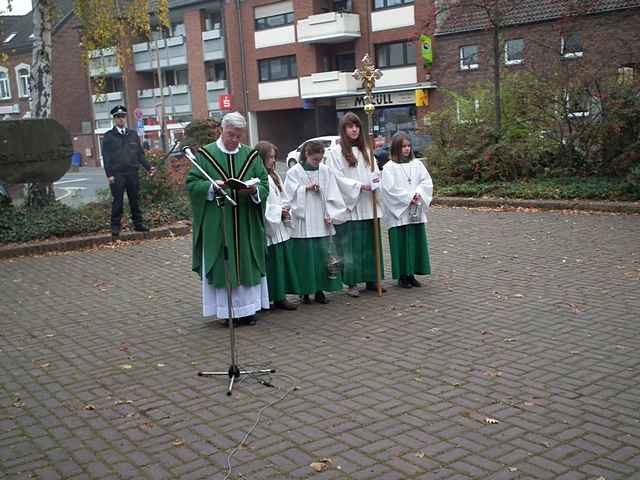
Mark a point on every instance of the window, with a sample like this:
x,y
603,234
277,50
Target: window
x,y
571,45
22,79
626,74
275,21
346,62
176,77
177,29
395,54
382,4
281,68
469,57
5,87
514,52
212,21
216,72
466,109
10,37
113,84
579,104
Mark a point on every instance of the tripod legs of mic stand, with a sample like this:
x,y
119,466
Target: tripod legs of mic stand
x,y
234,373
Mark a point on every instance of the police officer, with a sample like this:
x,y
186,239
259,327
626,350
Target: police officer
x,y
123,155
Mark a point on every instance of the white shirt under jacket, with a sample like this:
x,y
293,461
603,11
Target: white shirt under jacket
x,y
400,182
308,208
276,230
350,181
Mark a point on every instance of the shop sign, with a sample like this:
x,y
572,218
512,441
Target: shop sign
x,y
224,102
390,99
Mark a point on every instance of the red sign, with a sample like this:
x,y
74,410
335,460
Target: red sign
x,y
224,102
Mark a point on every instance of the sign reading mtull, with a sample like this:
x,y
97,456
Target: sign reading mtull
x,y
390,99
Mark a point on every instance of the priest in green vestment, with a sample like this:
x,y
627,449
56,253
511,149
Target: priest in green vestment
x,y
224,160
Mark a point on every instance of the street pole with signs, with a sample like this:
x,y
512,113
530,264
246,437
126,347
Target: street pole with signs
x,y
368,74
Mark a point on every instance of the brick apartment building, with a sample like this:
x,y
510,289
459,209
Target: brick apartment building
x,y
287,64
296,59
547,37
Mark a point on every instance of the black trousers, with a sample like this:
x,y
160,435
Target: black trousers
x,y
130,182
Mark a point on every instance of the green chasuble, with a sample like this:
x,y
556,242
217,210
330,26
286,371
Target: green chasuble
x,y
244,223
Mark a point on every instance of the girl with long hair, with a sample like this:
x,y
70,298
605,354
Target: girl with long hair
x,y
282,275
407,191
315,203
352,160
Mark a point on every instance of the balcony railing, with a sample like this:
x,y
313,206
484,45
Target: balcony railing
x,y
212,45
177,99
103,103
172,52
332,27
328,84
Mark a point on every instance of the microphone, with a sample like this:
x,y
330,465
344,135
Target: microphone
x,y
189,154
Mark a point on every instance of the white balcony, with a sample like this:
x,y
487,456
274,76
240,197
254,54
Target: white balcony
x,y
275,36
328,84
392,77
279,89
329,27
392,18
103,62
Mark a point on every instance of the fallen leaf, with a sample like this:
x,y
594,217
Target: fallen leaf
x,y
512,469
420,454
147,424
178,442
89,406
18,403
518,295
322,465
509,340
45,365
162,365
126,367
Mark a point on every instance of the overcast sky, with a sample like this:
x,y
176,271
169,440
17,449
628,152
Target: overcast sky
x,y
18,7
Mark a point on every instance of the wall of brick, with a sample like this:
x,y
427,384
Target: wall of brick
x,y
608,42
194,24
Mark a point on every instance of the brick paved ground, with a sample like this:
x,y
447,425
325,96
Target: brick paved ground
x,y
529,318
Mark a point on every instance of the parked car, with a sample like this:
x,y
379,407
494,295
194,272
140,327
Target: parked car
x,y
294,155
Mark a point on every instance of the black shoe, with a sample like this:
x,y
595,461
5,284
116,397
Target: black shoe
x,y
321,298
141,228
250,320
374,288
306,300
115,232
404,282
414,282
285,305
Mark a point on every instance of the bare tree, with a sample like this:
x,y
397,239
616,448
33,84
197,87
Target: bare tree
x,y
41,81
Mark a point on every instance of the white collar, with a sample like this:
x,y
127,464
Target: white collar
x,y
221,146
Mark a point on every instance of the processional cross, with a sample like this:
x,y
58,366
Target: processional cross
x,y
368,74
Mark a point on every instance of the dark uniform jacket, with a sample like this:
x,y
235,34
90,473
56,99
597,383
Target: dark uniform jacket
x,y
122,153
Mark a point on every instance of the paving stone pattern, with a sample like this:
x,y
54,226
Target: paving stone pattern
x,y
531,319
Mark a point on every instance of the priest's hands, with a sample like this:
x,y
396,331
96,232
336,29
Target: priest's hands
x,y
416,199
251,190
314,187
327,220
286,214
365,188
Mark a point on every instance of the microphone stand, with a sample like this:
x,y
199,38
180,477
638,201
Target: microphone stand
x,y
221,197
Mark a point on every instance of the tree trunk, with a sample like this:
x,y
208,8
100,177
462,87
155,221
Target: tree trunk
x,y
41,80
496,82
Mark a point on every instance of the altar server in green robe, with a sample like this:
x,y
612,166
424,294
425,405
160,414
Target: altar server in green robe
x,y
315,202
407,191
282,275
351,160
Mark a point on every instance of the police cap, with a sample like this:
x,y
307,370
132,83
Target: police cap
x,y
118,110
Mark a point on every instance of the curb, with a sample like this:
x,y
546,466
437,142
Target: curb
x,y
80,243
586,205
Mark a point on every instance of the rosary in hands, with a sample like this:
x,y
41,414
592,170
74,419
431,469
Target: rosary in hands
x,y
314,187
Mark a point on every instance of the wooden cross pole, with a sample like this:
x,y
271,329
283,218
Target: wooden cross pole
x,y
368,74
